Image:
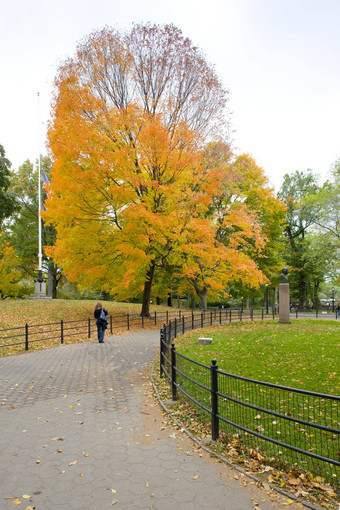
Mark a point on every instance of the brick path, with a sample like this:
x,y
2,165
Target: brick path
x,y
79,428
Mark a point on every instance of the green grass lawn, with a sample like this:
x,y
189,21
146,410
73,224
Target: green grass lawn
x,y
304,354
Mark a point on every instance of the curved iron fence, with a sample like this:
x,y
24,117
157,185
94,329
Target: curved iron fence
x,y
295,427
59,331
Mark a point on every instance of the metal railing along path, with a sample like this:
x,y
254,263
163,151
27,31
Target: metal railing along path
x,y
60,330
297,428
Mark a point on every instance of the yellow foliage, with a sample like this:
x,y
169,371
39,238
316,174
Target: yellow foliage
x,y
9,275
129,193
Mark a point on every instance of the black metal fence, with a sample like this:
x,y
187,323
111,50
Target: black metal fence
x,y
58,331
292,427
300,313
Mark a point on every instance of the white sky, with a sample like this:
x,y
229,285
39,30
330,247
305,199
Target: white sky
x,y
279,59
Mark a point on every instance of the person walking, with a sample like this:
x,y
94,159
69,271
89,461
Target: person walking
x,y
100,314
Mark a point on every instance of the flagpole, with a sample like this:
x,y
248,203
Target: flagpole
x,y
40,278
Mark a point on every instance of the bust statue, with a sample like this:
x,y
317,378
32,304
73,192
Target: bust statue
x,y
283,275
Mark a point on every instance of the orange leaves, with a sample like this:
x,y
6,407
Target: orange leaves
x,y
132,187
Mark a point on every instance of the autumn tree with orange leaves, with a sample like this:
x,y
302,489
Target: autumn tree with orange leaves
x,y
135,188
236,240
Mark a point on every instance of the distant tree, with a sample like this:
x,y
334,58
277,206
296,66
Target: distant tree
x,y
9,273
23,227
7,199
309,264
328,203
255,192
239,231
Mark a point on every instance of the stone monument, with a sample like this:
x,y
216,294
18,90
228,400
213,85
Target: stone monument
x,y
40,288
284,300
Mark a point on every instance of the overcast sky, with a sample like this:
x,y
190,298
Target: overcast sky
x,y
278,58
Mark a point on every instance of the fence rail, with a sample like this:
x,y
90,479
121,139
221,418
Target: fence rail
x,y
297,428
59,331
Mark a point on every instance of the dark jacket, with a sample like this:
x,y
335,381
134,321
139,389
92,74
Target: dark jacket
x,y
98,312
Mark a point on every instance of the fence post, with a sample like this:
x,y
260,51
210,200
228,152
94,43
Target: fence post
x,y
251,314
192,319
220,316
111,331
202,324
167,316
161,372
128,321
89,328
175,327
26,337
155,317
241,312
296,312
142,321
211,318
183,325
214,401
273,310
173,373
61,332
262,313
230,316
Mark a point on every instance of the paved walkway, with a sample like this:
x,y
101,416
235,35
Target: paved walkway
x,y
79,428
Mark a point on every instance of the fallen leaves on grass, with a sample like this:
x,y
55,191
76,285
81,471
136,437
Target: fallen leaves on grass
x,y
302,485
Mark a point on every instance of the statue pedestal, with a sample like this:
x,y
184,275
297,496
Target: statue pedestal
x,y
284,304
40,290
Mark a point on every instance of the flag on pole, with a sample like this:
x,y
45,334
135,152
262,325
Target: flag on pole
x,y
46,179
46,183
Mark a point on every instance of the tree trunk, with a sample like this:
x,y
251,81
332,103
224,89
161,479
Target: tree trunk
x,y
305,296
53,279
203,298
147,291
316,301
201,293
50,281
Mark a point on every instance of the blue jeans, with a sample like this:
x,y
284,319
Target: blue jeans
x,y
101,326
